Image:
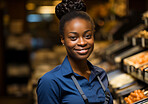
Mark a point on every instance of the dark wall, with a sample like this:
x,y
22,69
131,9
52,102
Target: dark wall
x,y
138,5
16,10
1,55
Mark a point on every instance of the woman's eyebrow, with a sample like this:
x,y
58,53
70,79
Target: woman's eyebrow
x,y
73,32
87,31
77,33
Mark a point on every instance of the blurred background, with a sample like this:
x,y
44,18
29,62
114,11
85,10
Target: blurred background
x,y
30,43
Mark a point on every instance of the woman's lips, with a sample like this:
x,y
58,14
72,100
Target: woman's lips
x,y
82,51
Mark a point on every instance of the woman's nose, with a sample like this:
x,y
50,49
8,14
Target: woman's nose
x,y
82,42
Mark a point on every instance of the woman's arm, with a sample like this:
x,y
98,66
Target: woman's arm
x,y
48,91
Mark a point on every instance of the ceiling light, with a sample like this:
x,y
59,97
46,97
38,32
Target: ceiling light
x,y
46,10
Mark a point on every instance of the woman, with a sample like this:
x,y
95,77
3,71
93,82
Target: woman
x,y
76,80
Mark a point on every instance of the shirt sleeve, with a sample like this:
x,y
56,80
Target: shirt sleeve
x,y
48,91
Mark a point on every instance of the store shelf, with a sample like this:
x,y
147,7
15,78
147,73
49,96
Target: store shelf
x,y
128,36
137,66
143,101
137,73
120,57
134,95
143,42
120,94
17,90
115,50
138,36
118,53
17,72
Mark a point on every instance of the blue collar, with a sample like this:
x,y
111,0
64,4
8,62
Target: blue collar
x,y
67,69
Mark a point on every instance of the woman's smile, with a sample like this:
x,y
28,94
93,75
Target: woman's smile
x,y
82,51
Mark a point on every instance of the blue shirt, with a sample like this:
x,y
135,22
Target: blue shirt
x,y
57,87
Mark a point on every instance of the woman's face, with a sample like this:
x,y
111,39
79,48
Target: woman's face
x,y
78,38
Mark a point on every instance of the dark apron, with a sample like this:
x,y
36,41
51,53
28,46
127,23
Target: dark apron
x,y
107,95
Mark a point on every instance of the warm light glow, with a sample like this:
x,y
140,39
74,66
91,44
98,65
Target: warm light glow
x,y
30,6
6,19
56,2
46,10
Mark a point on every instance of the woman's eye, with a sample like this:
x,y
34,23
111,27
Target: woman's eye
x,y
73,38
88,36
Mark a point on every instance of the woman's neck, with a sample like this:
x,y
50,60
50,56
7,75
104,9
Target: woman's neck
x,y
80,67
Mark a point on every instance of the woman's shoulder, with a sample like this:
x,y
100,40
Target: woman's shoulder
x,y
51,74
48,82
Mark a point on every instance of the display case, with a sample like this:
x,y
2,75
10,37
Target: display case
x,y
130,57
137,66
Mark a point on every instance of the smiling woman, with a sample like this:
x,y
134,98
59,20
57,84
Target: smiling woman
x,y
78,39
76,80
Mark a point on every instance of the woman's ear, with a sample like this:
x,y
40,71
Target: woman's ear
x,y
62,39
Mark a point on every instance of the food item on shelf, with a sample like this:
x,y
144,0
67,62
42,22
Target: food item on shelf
x,y
143,34
137,60
146,70
145,14
143,67
135,96
146,93
121,80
